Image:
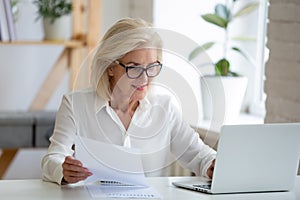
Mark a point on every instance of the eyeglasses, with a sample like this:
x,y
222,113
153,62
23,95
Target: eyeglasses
x,y
134,72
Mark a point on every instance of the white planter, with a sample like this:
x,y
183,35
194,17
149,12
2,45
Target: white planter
x,y
61,29
222,97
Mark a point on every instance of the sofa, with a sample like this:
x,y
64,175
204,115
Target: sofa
x,y
26,129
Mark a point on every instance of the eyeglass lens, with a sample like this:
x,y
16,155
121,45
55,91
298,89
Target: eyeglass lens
x,y
151,71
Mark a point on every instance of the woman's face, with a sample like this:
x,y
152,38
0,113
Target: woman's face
x,y
121,84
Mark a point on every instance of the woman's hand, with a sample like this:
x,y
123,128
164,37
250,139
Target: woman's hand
x,y
210,170
73,171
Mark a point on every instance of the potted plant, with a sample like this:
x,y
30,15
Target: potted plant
x,y
57,19
223,92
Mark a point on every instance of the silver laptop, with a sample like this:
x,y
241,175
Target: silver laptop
x,y
253,158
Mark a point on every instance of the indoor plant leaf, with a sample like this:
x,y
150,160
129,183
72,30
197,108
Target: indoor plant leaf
x,y
233,73
222,11
246,10
200,49
244,54
240,51
53,9
222,17
243,39
222,67
215,19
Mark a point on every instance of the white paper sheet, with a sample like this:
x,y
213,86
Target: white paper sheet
x,y
110,162
97,191
117,170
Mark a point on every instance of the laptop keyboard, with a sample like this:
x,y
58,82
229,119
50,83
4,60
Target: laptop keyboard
x,y
207,187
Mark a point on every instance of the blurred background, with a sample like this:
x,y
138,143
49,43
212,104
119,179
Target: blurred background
x,y
35,73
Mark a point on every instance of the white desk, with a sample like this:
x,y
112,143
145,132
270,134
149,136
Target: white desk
x,y
37,190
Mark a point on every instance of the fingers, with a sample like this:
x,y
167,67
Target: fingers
x,y
210,170
73,170
213,163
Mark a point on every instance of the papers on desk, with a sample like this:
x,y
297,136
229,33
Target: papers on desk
x,y
98,191
117,170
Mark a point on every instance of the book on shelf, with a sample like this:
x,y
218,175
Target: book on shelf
x,y
10,20
7,25
0,31
3,21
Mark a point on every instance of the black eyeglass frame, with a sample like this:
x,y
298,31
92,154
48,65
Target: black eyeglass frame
x,y
142,69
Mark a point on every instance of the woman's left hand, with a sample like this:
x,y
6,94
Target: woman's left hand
x,y
210,170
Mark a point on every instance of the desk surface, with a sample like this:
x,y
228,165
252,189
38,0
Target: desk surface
x,y
38,189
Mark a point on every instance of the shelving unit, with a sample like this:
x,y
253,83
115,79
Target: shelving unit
x,y
66,44
86,15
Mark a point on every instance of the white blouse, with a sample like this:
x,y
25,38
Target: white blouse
x,y
156,128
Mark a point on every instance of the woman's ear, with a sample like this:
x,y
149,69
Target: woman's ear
x,y
110,71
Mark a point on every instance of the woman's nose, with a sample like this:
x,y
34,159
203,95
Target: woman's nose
x,y
143,77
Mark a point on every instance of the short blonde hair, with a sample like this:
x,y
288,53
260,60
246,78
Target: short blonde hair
x,y
123,37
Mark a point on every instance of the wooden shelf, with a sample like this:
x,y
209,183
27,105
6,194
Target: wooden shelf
x,y
86,28
66,44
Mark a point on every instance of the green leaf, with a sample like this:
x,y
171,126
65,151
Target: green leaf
x,y
246,9
53,8
245,55
240,51
222,11
215,19
234,74
244,39
222,67
200,49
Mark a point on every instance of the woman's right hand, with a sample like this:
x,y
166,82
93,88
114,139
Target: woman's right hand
x,y
73,170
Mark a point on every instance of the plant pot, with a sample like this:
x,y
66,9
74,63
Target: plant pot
x,y
222,97
60,29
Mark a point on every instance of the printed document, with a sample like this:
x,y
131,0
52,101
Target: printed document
x,y
117,170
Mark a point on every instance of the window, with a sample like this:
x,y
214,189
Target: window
x,y
184,17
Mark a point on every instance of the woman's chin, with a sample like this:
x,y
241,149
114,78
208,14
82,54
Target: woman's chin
x,y
139,94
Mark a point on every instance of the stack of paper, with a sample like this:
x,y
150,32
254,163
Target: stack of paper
x,y
123,192
117,170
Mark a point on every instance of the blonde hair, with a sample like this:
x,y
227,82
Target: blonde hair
x,y
123,37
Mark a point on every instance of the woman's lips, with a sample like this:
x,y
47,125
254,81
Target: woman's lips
x,y
140,87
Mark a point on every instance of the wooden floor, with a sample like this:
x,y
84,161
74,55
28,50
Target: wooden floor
x,y
6,157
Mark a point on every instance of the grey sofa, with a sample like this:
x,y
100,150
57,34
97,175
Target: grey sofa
x,y
26,129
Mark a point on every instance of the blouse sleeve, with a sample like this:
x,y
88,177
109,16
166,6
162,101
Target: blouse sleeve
x,y
61,144
188,148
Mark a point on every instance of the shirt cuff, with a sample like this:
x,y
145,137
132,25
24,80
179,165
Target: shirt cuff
x,y
58,175
207,165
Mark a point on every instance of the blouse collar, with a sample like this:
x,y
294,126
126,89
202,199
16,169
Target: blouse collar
x,y
100,103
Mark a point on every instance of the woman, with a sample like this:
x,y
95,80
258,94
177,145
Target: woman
x,y
121,109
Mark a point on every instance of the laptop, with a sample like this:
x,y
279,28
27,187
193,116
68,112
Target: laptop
x,y
253,158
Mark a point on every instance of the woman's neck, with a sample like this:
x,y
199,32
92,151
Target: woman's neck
x,y
124,105
125,109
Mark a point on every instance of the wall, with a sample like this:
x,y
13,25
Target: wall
x,y
113,10
24,68
283,68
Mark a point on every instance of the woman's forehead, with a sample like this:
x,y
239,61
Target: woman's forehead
x,y
140,55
